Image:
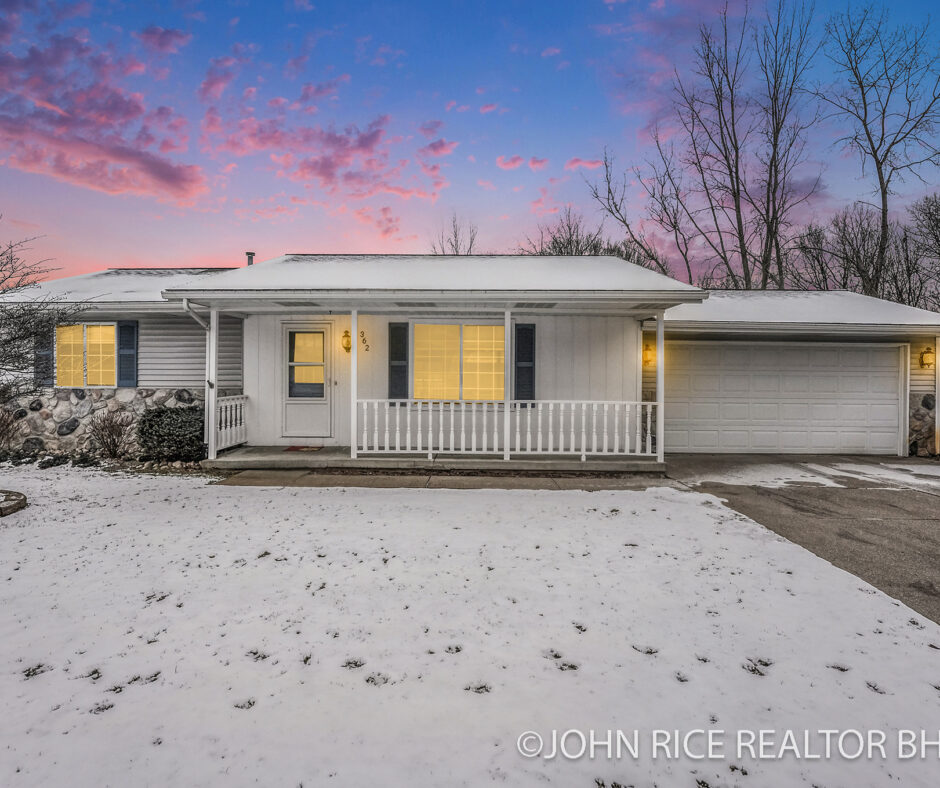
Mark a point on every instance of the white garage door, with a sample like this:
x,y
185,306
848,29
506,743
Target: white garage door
x,y
812,398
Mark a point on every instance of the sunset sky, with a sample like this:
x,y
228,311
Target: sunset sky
x,y
187,132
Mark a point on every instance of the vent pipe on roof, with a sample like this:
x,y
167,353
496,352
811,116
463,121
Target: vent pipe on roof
x,y
251,257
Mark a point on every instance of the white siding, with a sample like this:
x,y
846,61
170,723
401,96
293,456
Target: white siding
x,y
171,352
576,358
923,381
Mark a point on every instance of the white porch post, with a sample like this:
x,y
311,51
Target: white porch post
x,y
507,380
354,383
212,392
660,389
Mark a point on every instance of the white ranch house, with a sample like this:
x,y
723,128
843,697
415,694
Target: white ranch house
x,y
507,358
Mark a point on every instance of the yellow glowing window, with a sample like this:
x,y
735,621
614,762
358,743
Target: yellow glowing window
x,y
437,362
100,355
483,358
70,356
446,354
306,365
85,355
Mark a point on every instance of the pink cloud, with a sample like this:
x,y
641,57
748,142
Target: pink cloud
x,y
537,164
217,79
162,39
551,52
543,205
311,92
588,164
430,128
509,164
439,147
488,185
67,116
384,220
488,108
112,168
450,105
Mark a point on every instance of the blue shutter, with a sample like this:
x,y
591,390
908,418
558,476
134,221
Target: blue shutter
x,y
127,354
43,355
525,361
398,361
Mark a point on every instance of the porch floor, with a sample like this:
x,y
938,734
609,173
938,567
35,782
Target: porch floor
x,y
337,457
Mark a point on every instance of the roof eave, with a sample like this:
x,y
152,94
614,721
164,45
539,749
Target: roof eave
x,y
809,329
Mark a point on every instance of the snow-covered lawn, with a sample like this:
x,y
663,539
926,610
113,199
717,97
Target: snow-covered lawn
x,y
165,631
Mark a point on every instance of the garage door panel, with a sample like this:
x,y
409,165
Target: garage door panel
x,y
765,411
702,411
735,411
782,398
734,440
705,440
706,382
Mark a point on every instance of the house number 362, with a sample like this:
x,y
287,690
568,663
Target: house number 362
x,y
365,342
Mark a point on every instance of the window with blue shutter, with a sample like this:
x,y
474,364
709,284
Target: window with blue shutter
x,y
524,366
127,353
398,361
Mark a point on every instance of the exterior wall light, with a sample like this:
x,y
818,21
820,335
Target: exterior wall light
x,y
346,341
649,355
928,359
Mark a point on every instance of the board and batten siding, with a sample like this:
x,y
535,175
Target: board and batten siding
x,y
577,357
171,352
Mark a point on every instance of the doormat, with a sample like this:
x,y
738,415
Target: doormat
x,y
303,448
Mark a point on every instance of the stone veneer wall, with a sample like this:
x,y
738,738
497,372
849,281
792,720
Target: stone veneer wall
x,y
923,409
57,420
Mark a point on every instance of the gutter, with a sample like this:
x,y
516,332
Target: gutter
x,y
194,315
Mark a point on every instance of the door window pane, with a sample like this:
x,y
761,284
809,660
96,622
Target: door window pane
x,y
436,361
305,364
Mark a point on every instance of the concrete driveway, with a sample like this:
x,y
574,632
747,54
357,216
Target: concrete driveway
x,y
878,518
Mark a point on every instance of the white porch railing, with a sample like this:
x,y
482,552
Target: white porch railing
x,y
230,421
585,428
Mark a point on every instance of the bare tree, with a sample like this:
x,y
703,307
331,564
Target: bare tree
x,y
842,255
613,194
889,91
724,188
570,234
785,51
26,323
457,239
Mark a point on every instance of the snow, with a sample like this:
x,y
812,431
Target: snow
x,y
774,475
789,307
120,285
765,474
238,607
437,273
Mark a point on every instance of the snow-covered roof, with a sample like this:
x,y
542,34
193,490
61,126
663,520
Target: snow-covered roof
x,y
120,285
489,273
834,310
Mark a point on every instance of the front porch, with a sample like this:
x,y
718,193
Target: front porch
x,y
330,458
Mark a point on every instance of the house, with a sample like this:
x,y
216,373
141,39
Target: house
x,y
490,357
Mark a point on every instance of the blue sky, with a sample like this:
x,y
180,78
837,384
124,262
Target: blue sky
x,y
185,133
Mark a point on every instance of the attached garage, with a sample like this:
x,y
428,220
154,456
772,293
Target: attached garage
x,y
797,372
785,398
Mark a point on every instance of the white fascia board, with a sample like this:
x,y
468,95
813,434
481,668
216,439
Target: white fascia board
x,y
810,329
445,296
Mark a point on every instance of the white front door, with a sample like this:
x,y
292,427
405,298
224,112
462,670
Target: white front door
x,y
307,380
